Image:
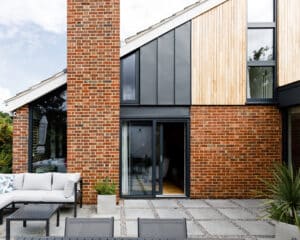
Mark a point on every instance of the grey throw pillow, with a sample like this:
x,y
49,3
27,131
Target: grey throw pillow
x,y
69,189
6,184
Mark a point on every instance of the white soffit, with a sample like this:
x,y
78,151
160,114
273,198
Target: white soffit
x,y
36,91
167,25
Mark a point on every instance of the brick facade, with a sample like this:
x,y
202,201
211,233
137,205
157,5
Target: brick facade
x,y
20,140
232,148
93,59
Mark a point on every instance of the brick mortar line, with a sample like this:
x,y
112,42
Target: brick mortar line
x,y
231,221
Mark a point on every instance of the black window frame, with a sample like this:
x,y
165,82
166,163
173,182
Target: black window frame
x,y
269,63
30,127
137,79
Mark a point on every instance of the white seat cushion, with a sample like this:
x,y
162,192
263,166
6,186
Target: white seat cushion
x,y
39,196
5,199
60,179
37,181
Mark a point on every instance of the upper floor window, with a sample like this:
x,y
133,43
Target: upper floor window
x,y
261,59
129,81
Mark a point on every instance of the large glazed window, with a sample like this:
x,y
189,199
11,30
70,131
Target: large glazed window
x,y
294,137
48,133
261,60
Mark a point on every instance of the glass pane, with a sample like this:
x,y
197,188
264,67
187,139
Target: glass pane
x,y
260,45
137,159
128,78
260,10
294,138
49,133
260,83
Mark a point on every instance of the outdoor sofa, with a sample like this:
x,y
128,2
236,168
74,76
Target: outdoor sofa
x,y
25,188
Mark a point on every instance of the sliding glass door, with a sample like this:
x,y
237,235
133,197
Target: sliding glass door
x,y
294,137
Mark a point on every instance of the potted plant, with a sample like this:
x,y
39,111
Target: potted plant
x,y
106,199
284,203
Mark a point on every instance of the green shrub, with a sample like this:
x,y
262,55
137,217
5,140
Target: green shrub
x,y
105,187
5,143
284,194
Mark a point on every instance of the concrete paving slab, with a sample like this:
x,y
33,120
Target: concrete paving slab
x,y
136,204
220,203
134,213
131,227
205,213
261,228
193,229
237,213
189,203
165,203
250,203
171,213
221,227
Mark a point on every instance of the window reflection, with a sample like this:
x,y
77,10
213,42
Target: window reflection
x,y
260,45
128,78
260,10
49,133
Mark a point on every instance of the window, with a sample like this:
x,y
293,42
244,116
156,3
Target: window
x,y
261,59
129,78
48,133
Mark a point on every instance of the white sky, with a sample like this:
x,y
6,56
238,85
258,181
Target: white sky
x,y
33,36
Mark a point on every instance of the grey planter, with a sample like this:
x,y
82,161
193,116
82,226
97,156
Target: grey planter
x,y
106,204
286,231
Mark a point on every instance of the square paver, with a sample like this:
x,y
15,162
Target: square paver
x,y
257,227
220,203
222,228
250,203
237,213
193,229
259,212
205,213
134,213
136,204
188,203
131,228
165,203
171,213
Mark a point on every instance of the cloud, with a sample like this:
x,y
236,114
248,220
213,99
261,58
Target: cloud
x,y
50,15
136,15
4,94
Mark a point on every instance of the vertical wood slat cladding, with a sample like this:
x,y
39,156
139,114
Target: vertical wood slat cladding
x,y
288,35
219,55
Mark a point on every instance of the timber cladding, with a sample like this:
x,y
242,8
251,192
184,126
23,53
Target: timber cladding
x,y
20,140
232,148
93,88
288,35
219,55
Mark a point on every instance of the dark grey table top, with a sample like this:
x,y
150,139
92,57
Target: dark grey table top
x,y
34,212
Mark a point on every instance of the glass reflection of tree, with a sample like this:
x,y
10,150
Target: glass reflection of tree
x,y
261,77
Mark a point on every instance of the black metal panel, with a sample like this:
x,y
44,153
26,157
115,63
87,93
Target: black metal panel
x,y
289,95
154,112
165,69
148,74
183,64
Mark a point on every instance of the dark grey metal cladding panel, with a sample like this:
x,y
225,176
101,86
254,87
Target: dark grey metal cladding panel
x,y
148,74
166,69
155,112
183,64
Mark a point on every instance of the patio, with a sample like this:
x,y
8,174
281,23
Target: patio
x,y
206,219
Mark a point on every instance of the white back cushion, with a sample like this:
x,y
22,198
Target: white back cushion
x,y
18,181
37,181
60,179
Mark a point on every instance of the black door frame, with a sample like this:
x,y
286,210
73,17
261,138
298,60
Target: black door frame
x,y
154,125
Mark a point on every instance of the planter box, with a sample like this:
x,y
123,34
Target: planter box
x,y
286,231
106,204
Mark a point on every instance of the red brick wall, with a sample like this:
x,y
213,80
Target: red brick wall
x,y
232,147
93,56
20,140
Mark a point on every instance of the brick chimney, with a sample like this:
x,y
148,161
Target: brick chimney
x,y
93,63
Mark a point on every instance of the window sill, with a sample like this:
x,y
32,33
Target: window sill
x,y
261,102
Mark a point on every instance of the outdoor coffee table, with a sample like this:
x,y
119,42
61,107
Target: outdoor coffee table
x,y
33,212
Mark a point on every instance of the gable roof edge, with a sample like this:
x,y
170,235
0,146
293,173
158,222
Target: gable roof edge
x,y
165,27
36,91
